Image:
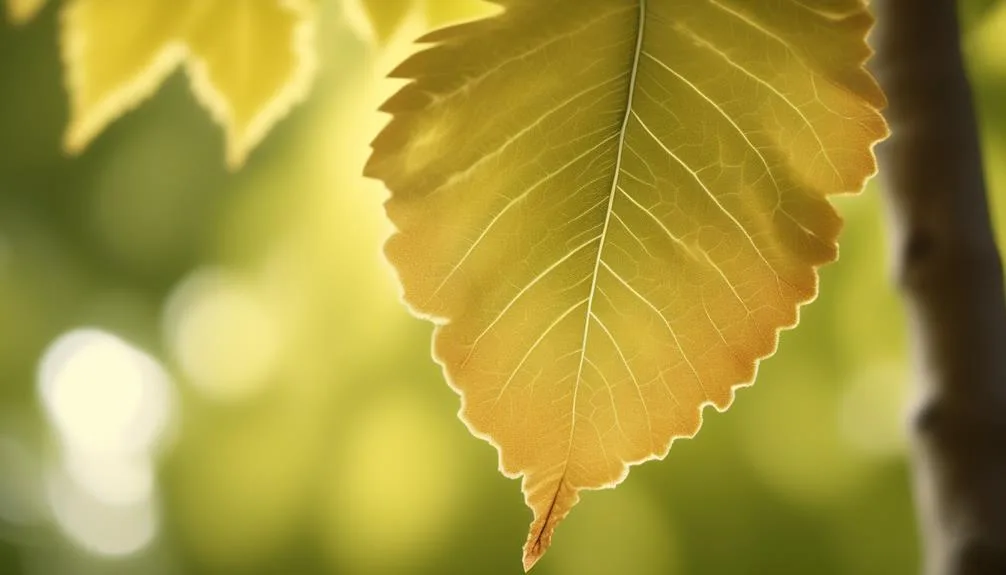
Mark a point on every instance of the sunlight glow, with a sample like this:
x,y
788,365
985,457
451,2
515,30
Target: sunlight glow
x,y
110,405
96,526
871,412
398,489
112,480
104,395
224,335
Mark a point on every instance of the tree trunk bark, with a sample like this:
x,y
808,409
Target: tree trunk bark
x,y
950,273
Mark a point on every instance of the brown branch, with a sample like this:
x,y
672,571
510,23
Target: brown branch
x,y
951,275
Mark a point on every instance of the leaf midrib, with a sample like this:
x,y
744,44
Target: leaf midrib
x,y
623,130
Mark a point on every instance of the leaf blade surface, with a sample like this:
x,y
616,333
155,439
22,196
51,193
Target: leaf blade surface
x,y
612,208
116,53
250,61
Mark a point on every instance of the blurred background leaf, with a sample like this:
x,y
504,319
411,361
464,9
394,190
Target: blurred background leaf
x,y
252,318
445,12
378,19
21,11
249,61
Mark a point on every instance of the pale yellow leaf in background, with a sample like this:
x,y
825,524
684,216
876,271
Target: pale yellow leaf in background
x,y
250,61
382,19
445,12
378,19
20,11
612,208
116,54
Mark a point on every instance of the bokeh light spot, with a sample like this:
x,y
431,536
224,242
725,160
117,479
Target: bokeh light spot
x,y
117,480
102,394
96,526
224,335
396,490
623,531
871,413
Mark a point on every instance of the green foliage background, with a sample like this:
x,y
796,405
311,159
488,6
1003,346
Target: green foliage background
x,y
345,455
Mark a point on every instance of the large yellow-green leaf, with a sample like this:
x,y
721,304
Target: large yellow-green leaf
x,y
20,11
611,207
250,60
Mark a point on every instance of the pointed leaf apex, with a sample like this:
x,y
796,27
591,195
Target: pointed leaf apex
x,y
531,556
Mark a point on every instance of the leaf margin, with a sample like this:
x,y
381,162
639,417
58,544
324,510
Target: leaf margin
x,y
405,71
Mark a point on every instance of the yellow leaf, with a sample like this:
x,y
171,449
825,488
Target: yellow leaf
x,y
443,12
612,208
250,61
379,19
116,54
20,11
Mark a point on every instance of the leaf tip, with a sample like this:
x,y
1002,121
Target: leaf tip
x,y
236,152
83,129
74,140
539,539
532,553
246,116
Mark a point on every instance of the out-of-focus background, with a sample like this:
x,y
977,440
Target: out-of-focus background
x,y
211,372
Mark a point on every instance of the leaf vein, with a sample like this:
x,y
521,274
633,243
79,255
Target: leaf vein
x,y
667,324
514,201
524,290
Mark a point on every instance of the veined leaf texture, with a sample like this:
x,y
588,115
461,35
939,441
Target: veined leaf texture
x,y
611,207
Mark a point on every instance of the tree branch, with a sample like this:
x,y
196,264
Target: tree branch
x,y
951,275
